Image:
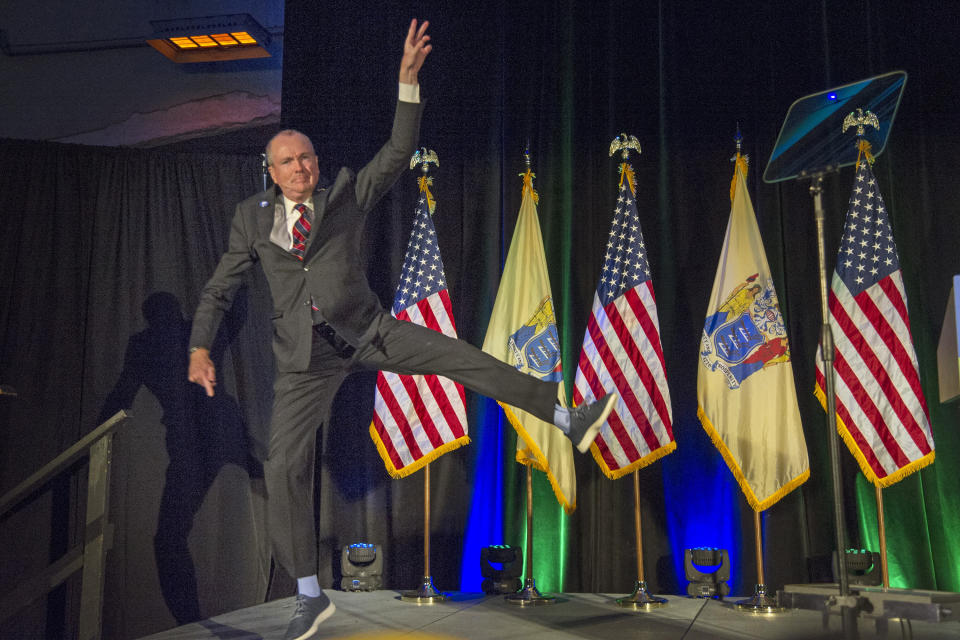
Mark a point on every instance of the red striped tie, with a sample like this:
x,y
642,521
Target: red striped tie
x,y
301,231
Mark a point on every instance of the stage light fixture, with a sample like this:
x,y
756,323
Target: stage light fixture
x,y
703,583
211,38
863,567
501,566
361,565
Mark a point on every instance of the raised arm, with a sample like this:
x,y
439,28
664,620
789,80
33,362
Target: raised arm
x,y
416,47
376,178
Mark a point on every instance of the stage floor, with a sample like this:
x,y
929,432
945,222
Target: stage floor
x,y
382,614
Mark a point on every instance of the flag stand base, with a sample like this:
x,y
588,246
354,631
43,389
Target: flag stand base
x,y
875,602
760,604
529,596
426,594
641,599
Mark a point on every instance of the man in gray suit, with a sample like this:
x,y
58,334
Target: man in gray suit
x,y
328,323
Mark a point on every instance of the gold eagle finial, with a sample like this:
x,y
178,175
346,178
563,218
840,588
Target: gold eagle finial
x,y
624,143
424,156
860,119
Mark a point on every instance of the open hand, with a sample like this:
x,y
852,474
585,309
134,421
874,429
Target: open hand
x,y
415,49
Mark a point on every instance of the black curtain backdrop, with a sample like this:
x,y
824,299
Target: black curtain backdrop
x,y
104,252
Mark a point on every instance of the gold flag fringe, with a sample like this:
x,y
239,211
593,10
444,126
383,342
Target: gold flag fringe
x,y
534,457
417,464
752,499
889,480
647,460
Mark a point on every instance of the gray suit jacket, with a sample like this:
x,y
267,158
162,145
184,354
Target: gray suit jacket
x,y
331,273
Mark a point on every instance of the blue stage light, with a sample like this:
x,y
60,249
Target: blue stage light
x,y
702,511
485,521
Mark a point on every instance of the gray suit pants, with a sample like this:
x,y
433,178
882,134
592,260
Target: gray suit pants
x,y
302,402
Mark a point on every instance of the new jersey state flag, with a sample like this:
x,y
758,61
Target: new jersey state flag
x,y
417,419
523,332
745,388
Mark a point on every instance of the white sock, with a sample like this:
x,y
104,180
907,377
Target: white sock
x,y
309,586
561,418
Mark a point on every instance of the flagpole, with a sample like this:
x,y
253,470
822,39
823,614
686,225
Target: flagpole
x,y
758,539
426,520
860,121
529,595
427,593
640,598
883,539
760,603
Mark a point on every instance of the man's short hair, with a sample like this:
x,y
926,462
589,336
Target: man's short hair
x,y
285,132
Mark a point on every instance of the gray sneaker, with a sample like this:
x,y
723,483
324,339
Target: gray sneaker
x,y
308,615
586,420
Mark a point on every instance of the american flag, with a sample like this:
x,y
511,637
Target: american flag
x,y
419,418
621,349
881,412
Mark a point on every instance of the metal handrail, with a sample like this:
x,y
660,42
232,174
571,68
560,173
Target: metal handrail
x,y
58,464
97,539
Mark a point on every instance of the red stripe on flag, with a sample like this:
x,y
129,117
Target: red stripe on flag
x,y
448,307
433,382
606,454
387,442
624,439
864,347
844,415
649,380
587,371
593,379
386,393
895,296
443,403
870,413
416,399
875,371
429,319
627,395
903,357
886,333
633,298
626,387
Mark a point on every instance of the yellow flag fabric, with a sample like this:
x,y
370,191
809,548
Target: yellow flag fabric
x,y
523,332
745,387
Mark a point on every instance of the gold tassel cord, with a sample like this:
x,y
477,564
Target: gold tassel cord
x,y
626,171
425,182
864,151
741,163
528,177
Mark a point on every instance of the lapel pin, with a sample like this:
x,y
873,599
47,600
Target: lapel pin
x,y
264,203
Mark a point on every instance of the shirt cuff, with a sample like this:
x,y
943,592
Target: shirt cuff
x,y
409,92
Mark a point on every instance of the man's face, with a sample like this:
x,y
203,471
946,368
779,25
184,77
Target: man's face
x,y
293,165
